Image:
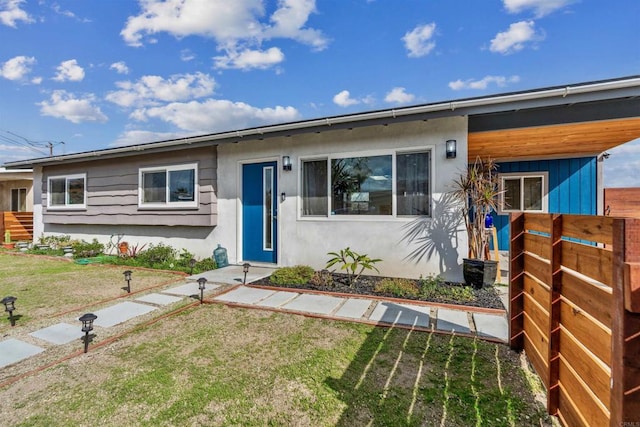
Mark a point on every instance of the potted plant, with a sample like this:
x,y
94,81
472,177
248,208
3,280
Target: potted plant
x,y
8,244
477,189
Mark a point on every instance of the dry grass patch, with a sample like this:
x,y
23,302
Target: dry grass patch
x,y
45,286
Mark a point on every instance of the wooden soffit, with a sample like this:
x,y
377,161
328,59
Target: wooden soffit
x,y
566,140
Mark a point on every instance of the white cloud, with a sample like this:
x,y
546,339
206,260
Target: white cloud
x,y
10,13
398,95
57,9
514,38
248,59
419,40
36,80
150,90
500,81
17,67
120,67
238,26
343,99
69,71
214,115
187,55
64,105
540,7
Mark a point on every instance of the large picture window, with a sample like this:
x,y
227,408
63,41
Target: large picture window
x,y
524,192
172,186
393,184
67,191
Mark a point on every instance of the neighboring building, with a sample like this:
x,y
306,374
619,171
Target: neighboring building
x,y
16,190
378,182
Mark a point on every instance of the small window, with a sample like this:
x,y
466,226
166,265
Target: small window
x,y
172,186
413,190
524,193
361,186
18,199
67,191
314,188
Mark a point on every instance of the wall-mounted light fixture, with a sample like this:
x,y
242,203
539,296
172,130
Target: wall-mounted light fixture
x,y
451,149
286,163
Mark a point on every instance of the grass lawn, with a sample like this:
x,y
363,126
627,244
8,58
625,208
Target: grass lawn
x,y
46,286
216,365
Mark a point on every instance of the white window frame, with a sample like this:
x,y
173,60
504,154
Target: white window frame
x,y
168,204
66,205
17,190
522,176
394,209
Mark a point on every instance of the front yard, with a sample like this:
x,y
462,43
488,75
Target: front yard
x,y
215,365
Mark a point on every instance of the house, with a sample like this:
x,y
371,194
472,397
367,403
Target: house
x,y
378,182
16,203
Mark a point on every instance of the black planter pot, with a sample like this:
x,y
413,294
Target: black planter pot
x,y
478,273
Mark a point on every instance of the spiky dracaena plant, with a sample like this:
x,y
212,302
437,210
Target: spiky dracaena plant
x,y
477,189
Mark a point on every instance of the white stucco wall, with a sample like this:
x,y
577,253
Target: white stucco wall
x,y
307,240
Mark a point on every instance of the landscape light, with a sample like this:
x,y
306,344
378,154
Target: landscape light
x,y
9,306
127,277
87,326
201,282
245,270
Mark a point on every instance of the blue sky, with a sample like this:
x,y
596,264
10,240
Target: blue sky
x,y
97,74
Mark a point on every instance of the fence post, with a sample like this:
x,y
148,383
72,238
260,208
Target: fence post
x,y
625,331
516,285
555,280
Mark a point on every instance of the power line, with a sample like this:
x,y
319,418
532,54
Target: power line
x,y
30,144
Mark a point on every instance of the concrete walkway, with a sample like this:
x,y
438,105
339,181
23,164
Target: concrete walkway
x,y
487,324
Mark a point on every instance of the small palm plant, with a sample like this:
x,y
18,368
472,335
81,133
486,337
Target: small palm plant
x,y
353,263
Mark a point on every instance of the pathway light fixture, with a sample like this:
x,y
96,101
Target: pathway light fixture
x,y
87,326
245,270
192,263
201,283
9,306
127,277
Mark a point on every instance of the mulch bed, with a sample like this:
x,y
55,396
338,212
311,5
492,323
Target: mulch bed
x,y
486,297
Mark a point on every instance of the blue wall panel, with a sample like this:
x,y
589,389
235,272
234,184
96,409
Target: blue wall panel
x,y
572,188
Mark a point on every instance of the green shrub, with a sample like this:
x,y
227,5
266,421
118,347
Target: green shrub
x,y
55,242
297,275
157,254
206,264
83,249
433,287
398,287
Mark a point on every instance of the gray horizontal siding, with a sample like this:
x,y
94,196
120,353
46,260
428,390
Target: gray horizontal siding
x,y
112,191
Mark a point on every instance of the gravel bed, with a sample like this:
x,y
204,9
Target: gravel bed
x,y
486,297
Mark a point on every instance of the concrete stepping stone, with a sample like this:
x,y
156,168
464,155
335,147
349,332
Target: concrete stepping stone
x,y
245,295
277,299
401,314
492,325
121,312
189,289
354,308
159,299
13,351
453,321
320,304
60,333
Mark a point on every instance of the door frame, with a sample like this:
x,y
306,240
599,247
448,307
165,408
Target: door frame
x,y
240,204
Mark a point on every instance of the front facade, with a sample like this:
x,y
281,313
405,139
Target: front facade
x,y
379,183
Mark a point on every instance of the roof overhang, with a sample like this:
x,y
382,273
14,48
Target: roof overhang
x,y
15,175
613,91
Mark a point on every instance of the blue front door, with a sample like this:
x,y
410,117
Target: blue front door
x,y
259,212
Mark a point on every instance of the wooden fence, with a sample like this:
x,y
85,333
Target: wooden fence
x,y
575,310
20,224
